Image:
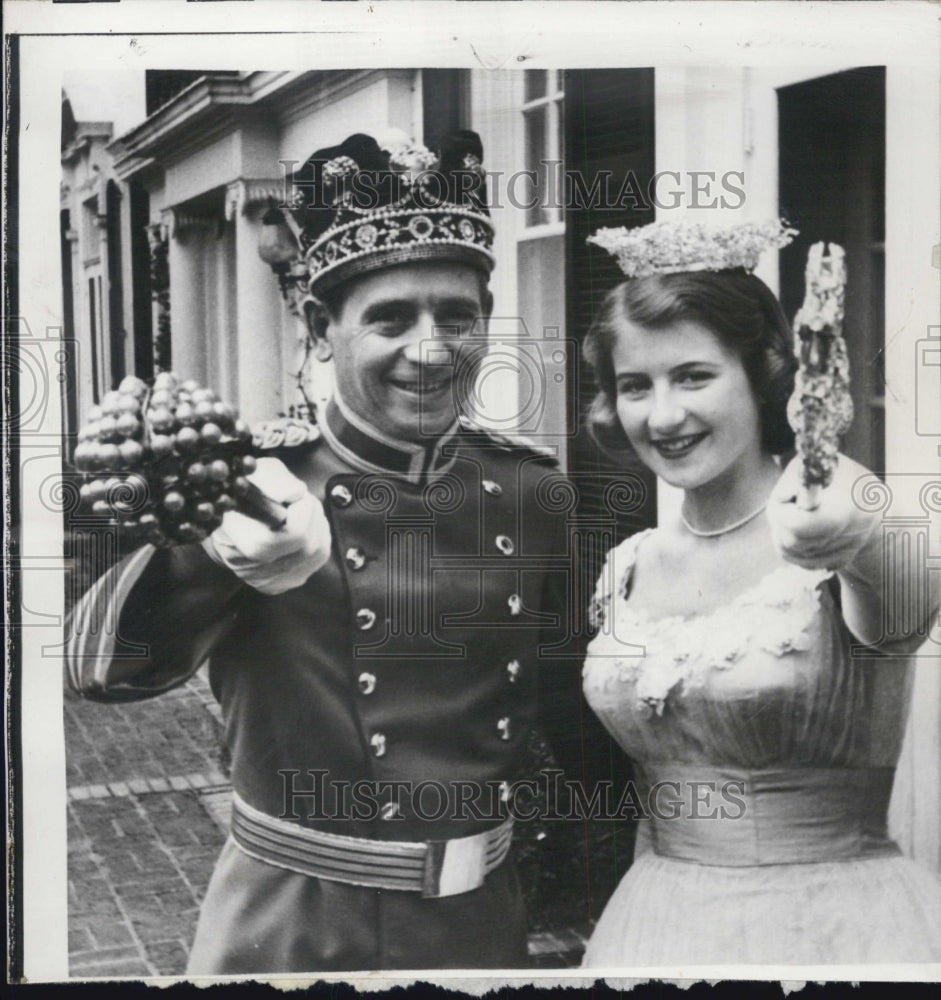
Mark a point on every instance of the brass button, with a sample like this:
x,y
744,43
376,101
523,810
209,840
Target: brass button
x,y
341,496
365,619
513,670
505,544
515,604
503,727
367,682
389,810
355,558
378,743
494,489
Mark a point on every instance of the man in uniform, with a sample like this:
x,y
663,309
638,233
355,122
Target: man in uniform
x,y
379,651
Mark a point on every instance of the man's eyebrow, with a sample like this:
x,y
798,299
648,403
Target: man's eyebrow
x,y
386,305
458,300
382,306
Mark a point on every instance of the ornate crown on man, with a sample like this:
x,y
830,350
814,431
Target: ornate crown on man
x,y
359,206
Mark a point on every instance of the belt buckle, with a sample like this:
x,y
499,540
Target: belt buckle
x,y
454,866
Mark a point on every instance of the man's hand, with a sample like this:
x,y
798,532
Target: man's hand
x,y
833,534
274,561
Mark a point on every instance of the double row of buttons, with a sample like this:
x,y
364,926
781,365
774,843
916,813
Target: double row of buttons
x,y
356,558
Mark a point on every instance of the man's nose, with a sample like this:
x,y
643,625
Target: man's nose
x,y
667,412
429,343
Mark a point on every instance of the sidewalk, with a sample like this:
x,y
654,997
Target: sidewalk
x,y
148,812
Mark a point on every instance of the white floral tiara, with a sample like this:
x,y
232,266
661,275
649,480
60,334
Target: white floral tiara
x,y
672,247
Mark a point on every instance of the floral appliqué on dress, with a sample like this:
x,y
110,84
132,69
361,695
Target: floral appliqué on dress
x,y
774,614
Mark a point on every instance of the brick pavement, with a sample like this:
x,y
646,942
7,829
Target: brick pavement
x,y
144,828
148,805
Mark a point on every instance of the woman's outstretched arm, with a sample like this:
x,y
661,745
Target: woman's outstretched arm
x,y
889,594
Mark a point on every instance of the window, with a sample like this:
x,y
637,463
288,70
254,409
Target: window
x,y
543,128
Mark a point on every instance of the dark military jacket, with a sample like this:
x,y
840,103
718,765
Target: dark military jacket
x,y
410,659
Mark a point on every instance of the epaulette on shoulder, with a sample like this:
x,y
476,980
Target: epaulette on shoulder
x,y
513,442
285,432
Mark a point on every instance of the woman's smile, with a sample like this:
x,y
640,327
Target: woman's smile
x,y
677,447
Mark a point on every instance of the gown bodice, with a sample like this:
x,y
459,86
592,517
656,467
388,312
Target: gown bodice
x,y
773,678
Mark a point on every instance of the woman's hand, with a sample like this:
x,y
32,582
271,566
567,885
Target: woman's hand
x,y
273,561
832,535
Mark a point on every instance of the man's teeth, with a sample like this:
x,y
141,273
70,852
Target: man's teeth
x,y
425,386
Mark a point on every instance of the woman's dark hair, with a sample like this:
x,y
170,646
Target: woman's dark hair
x,y
736,306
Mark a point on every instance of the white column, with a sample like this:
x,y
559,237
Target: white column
x,y
186,301
258,317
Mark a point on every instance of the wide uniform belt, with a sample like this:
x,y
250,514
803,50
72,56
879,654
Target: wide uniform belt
x,y
432,867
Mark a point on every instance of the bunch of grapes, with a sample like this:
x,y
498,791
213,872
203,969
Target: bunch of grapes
x,y
165,463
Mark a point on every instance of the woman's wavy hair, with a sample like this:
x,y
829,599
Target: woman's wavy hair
x,y
736,306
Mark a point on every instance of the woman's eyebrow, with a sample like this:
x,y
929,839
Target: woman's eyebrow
x,y
693,364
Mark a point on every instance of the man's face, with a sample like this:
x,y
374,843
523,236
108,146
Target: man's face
x,y
395,342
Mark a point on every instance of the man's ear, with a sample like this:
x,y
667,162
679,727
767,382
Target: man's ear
x,y
318,322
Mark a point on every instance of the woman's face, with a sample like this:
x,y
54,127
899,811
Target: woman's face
x,y
685,403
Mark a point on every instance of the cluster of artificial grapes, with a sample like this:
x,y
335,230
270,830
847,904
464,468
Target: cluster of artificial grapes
x,y
166,462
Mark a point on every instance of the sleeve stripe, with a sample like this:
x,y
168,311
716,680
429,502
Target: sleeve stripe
x,y
95,622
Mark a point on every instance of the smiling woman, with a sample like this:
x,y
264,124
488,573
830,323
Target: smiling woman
x,y
750,675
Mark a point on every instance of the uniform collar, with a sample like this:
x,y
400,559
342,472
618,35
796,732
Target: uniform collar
x,y
369,450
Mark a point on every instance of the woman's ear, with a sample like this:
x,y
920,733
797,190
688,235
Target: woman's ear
x,y
318,323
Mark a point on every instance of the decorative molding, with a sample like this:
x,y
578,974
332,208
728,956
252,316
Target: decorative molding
x,y
244,195
186,222
321,88
157,232
203,95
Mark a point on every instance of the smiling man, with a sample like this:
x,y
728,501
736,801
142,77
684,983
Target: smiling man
x,y
376,658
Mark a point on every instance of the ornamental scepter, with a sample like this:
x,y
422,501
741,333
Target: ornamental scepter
x,y
820,409
167,462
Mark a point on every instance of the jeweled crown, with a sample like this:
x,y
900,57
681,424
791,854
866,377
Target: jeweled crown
x,y
674,247
360,207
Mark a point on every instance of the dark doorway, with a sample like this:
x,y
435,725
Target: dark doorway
x,y
141,295
116,330
445,103
70,385
831,133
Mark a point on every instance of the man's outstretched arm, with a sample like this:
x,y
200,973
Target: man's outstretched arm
x,y
148,623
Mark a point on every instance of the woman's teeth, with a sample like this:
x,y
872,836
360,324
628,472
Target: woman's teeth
x,y
677,446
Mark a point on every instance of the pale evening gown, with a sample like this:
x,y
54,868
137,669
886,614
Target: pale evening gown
x,y
764,693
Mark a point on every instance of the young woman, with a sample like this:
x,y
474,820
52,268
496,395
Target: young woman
x,y
727,661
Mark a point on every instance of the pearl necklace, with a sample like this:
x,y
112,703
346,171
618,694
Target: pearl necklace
x,y
722,531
